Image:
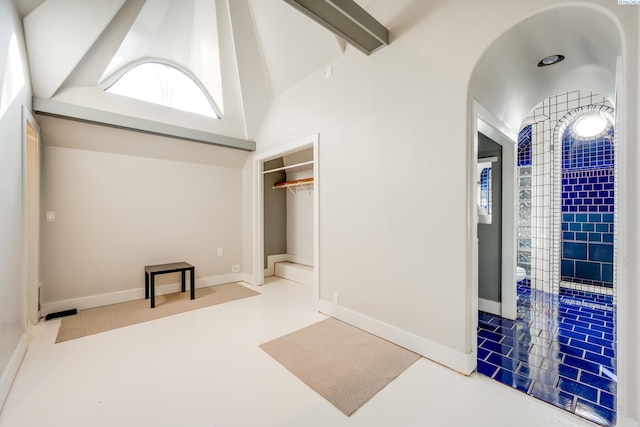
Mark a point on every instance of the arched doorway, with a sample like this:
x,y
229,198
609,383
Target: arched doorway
x,y
532,354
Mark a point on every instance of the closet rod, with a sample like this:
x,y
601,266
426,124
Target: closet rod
x,y
310,162
295,183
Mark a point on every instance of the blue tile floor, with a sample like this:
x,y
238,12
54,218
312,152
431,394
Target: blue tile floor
x,y
561,349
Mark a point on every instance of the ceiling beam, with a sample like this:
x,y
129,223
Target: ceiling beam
x,y
104,118
348,20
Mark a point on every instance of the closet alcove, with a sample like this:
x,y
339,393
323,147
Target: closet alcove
x,y
288,216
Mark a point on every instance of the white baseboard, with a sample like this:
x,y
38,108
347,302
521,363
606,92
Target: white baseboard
x,y
92,301
461,362
10,372
249,278
294,272
489,306
300,260
271,261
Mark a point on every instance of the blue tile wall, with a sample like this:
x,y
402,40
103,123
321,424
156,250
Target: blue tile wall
x,y
588,191
601,253
587,257
485,190
588,270
588,203
524,146
579,154
574,250
587,224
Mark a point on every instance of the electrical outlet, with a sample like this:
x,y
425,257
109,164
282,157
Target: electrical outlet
x,y
235,268
336,299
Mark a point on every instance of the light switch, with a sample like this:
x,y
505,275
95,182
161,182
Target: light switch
x,y
50,216
219,251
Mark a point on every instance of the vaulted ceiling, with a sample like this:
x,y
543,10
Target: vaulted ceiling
x,y
243,52
246,52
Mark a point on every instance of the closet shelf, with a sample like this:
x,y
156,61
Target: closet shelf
x,y
289,167
295,183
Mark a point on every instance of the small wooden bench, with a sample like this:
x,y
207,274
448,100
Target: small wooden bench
x,y
150,272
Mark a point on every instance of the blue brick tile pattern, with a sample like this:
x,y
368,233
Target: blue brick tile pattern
x,y
590,191
587,224
485,190
524,146
560,349
580,154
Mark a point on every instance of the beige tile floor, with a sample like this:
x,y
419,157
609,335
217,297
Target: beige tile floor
x,y
204,368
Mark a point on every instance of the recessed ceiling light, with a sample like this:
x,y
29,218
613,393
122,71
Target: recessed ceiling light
x,y
550,60
590,125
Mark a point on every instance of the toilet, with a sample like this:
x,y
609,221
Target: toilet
x,y
521,274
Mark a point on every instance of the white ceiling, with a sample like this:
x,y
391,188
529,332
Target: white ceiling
x,y
266,47
26,6
287,57
508,81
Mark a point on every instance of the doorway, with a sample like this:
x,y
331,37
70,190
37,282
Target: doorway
x,y
562,346
508,63
489,225
501,298
290,171
31,164
288,216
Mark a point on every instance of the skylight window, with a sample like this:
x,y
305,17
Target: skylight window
x,y
164,85
590,125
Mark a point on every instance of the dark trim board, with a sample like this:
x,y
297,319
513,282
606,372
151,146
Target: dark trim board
x,y
48,107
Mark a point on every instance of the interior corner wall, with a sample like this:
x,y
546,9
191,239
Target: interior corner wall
x,y
300,220
15,92
247,222
275,211
116,213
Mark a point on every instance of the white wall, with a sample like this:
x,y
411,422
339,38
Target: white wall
x,y
392,230
394,149
300,220
15,91
117,212
247,221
